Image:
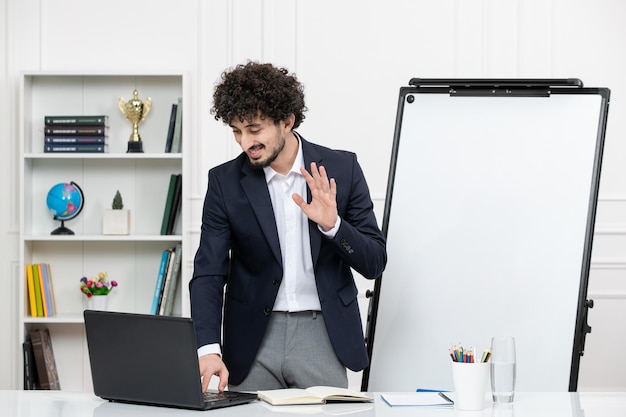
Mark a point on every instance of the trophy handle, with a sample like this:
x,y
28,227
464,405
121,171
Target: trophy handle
x,y
121,104
147,106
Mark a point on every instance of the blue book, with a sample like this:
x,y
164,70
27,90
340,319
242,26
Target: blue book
x,y
158,289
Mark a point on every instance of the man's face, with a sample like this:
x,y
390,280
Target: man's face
x,y
261,139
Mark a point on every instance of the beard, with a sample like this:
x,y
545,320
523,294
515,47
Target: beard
x,y
274,152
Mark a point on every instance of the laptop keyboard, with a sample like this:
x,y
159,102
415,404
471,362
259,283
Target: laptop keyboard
x,y
217,396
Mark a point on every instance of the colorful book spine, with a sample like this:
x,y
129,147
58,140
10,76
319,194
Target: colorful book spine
x,y
173,283
158,288
30,285
38,292
42,289
87,120
52,297
47,285
167,281
75,131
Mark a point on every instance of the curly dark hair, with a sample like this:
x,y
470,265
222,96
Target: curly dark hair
x,y
258,89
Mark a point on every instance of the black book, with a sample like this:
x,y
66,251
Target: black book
x,y
76,130
31,381
75,148
76,139
170,130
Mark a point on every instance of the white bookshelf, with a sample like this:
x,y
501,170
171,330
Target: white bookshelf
x,y
142,179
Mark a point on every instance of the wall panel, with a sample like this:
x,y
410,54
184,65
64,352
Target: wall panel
x,y
352,56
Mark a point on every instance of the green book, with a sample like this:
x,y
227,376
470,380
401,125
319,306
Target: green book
x,y
98,120
38,290
168,203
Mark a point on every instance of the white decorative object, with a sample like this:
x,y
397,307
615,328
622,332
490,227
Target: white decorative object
x,y
97,302
116,221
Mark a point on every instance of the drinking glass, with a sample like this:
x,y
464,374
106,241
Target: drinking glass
x,y
502,369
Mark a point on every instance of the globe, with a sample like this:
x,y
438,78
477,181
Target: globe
x,y
65,201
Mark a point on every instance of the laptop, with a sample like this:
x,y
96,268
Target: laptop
x,y
151,360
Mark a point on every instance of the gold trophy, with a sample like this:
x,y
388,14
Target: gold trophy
x,y
136,111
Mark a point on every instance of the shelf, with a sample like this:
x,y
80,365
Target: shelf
x,y
58,319
103,238
142,179
127,156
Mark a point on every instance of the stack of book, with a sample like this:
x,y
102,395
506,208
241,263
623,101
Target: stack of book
x,y
76,134
40,291
40,370
167,281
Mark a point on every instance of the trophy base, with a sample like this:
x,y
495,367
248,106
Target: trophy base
x,y
135,147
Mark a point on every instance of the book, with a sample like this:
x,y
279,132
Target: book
x,y
176,201
53,298
158,288
38,292
76,130
178,127
44,359
167,281
30,286
47,298
87,120
75,148
31,381
312,395
75,139
169,199
42,289
170,131
169,293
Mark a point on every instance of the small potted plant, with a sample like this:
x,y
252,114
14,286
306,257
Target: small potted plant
x,y
116,220
96,289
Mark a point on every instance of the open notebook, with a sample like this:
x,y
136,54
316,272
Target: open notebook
x,y
148,359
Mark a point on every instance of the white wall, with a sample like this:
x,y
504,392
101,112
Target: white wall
x,y
352,56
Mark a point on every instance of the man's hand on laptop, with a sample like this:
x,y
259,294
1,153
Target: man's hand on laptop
x,y
210,365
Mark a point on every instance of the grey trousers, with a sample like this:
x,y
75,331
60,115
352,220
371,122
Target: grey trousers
x,y
295,353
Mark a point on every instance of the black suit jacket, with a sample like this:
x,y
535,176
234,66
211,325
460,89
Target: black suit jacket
x,y
239,248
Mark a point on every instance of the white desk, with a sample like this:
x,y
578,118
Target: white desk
x,y
83,404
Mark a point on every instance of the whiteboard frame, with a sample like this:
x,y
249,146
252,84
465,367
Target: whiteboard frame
x,y
510,89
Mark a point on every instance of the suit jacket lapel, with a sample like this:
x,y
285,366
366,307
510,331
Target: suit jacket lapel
x,y
255,187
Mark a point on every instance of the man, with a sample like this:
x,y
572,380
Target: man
x,y
283,240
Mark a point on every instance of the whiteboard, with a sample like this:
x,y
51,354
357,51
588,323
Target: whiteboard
x,y
489,220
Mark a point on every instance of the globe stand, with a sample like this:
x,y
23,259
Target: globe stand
x,y
62,230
